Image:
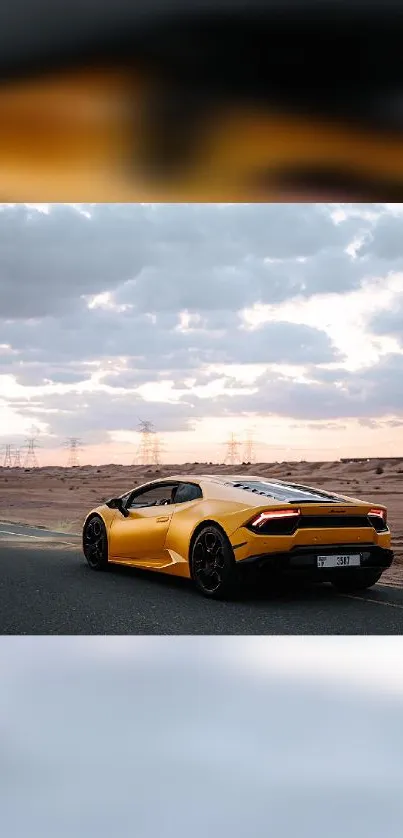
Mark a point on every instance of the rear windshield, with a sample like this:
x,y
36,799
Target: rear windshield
x,y
288,494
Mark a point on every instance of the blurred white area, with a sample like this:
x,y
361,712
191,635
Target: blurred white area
x,y
160,737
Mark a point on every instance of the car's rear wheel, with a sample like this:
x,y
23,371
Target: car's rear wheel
x,y
212,564
357,580
95,543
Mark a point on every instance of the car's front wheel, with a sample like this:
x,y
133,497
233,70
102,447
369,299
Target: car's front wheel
x,y
357,580
212,564
95,543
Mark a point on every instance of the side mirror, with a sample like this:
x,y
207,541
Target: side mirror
x,y
118,503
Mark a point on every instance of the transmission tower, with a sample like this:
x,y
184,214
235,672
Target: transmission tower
x,y
17,458
145,453
232,455
7,457
31,460
249,449
157,450
73,444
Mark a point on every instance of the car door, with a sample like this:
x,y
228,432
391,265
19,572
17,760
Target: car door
x,y
141,536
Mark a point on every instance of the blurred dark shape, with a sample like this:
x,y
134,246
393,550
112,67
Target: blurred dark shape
x,y
194,99
341,183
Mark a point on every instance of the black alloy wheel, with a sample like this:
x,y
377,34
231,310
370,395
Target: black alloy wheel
x,y
212,564
95,543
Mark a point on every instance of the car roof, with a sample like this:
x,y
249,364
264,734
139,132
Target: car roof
x,y
206,479
209,478
259,486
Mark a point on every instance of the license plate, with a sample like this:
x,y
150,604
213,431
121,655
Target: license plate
x,y
339,561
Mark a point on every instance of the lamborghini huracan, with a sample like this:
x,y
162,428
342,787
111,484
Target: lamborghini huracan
x,y
213,529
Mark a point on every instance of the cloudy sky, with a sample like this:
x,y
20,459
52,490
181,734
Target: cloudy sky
x,y
285,320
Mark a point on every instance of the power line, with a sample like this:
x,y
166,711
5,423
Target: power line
x,y
7,457
150,449
31,460
145,452
156,451
249,448
232,454
17,458
73,444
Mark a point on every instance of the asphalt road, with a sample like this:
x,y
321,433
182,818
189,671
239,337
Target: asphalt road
x,y
47,588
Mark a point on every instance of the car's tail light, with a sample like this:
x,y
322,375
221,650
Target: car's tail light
x,y
274,515
380,516
379,513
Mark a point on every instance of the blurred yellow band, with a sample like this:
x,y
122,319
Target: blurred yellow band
x,y
77,138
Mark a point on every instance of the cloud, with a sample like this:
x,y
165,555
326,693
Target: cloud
x,y
96,333
336,394
93,415
385,239
34,374
100,303
48,260
389,322
372,393
165,256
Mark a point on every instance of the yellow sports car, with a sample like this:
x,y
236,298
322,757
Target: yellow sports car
x,y
212,528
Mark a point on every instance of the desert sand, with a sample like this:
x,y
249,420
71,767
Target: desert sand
x,y
59,498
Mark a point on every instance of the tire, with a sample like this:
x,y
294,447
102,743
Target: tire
x,y
212,564
95,543
357,580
